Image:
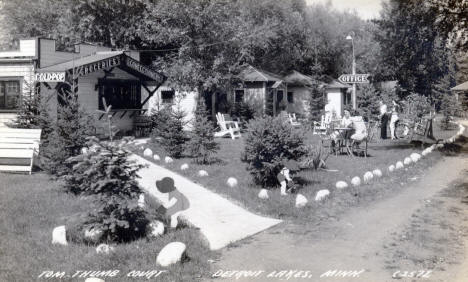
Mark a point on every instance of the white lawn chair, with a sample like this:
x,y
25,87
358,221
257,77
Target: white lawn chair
x,y
18,144
227,127
322,126
293,120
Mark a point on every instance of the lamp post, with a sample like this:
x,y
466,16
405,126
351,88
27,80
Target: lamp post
x,y
353,95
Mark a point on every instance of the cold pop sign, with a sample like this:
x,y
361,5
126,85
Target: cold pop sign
x,y
354,78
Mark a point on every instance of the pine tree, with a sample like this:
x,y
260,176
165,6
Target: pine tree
x,y
108,176
202,145
368,102
169,131
316,102
72,127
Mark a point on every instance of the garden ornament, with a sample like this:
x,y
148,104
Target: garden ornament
x,y
177,201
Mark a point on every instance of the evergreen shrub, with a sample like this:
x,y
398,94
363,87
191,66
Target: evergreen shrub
x,y
202,145
268,143
70,130
108,177
168,131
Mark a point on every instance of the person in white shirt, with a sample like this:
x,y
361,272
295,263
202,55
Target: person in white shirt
x,y
393,120
346,120
383,120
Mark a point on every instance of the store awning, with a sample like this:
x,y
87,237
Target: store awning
x,y
99,61
460,87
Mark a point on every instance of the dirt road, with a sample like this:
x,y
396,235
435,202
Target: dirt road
x,y
367,240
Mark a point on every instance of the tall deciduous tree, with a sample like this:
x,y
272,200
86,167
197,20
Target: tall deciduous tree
x,y
411,46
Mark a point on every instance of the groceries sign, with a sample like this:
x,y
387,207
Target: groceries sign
x,y
354,78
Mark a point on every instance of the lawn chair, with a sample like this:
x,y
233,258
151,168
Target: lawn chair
x,y
360,137
322,126
293,120
18,148
227,127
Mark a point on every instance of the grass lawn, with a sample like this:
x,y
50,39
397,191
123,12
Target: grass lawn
x,y
32,205
382,154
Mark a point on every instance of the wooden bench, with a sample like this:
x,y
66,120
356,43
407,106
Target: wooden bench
x,y
17,148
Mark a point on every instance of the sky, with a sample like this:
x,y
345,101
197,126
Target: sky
x,y
366,9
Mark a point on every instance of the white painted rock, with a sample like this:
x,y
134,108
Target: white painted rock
x,y
104,249
94,279
356,181
170,254
341,185
232,182
377,172
59,235
263,194
84,151
184,167
141,201
367,177
407,161
391,168
415,157
425,152
168,160
399,165
156,228
93,234
156,157
148,152
202,173
321,195
301,201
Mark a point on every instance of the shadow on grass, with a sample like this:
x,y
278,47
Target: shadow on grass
x,y
453,149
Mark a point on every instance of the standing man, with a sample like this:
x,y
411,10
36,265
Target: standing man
x,y
383,120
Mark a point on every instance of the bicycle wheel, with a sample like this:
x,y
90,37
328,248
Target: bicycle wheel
x,y
401,130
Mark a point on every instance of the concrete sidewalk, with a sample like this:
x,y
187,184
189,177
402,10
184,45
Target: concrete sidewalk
x,y
221,221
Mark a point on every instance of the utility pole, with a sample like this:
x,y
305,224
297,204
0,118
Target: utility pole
x,y
353,95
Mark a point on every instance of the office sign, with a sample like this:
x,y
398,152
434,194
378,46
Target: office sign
x,y
50,77
354,78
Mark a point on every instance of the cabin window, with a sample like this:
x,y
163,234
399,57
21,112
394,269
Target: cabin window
x,y
239,95
10,92
167,97
121,94
290,97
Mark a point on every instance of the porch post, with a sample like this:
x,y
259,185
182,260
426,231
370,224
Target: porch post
x,y
213,104
275,98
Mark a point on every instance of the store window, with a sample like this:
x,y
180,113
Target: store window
x,y
10,92
167,96
121,94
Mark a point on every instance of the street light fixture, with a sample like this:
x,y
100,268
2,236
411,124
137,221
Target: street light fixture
x,y
353,97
